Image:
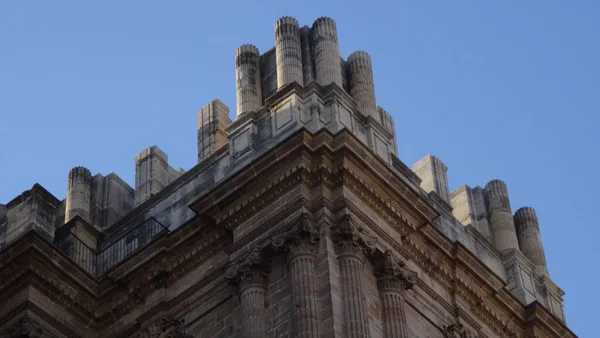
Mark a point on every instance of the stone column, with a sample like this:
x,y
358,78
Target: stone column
x,y
351,249
288,51
79,194
392,282
530,242
251,277
326,52
248,80
360,83
501,218
301,244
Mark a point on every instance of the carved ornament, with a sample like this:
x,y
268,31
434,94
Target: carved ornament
x,y
165,328
24,328
392,275
249,271
300,239
456,331
349,239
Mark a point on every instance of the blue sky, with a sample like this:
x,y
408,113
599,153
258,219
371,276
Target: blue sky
x,y
496,89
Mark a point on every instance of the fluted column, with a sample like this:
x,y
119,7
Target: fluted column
x,y
288,51
250,275
530,242
252,299
326,52
501,218
350,249
300,243
360,83
248,79
79,194
392,282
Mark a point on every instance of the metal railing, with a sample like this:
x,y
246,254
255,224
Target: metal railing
x,y
97,263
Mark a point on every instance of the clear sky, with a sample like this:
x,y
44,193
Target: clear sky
x,y
496,89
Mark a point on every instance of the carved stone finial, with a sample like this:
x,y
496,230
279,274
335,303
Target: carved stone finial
x,y
391,274
456,331
165,328
24,328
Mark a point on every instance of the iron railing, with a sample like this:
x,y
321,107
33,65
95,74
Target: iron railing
x,y
97,263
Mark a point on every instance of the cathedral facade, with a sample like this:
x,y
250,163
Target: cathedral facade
x,y
299,220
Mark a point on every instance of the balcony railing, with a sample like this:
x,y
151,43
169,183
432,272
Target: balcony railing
x,y
97,263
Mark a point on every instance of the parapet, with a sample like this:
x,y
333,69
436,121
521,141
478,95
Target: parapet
x,y
434,176
530,242
326,52
152,173
289,52
248,79
213,119
360,83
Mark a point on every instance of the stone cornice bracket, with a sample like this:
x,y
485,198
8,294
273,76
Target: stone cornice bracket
x,y
391,273
350,239
251,270
456,331
24,328
165,327
302,238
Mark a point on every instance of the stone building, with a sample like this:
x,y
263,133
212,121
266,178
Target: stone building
x,y
299,220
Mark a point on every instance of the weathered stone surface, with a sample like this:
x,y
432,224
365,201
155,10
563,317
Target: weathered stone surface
x,y
294,227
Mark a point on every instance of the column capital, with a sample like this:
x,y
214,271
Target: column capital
x,y
165,327
251,270
350,239
25,328
391,274
300,239
456,331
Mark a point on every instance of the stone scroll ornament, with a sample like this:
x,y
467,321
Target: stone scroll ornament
x,y
456,331
301,238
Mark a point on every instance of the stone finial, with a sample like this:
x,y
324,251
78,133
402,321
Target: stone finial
x,y
530,242
501,221
326,52
248,79
79,194
360,83
288,50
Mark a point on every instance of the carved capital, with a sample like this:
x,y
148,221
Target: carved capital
x,y
302,238
249,271
391,274
165,328
456,331
349,239
24,328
